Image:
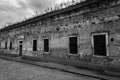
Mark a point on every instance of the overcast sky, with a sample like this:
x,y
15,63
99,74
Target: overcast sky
x,y
16,10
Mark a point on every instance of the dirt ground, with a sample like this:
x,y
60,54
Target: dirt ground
x,y
10,70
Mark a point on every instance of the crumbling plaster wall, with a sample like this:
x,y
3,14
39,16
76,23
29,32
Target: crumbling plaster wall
x,y
97,19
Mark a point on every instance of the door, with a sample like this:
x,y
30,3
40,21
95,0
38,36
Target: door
x,y
20,50
100,45
73,45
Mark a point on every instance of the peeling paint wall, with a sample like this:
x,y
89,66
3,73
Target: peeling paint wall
x,y
88,20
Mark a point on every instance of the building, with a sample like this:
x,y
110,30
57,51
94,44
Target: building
x,y
86,32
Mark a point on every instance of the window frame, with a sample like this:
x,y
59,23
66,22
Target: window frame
x,y
107,42
10,46
69,45
48,46
33,45
6,45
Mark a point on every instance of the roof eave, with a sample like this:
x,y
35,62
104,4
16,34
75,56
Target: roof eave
x,y
53,13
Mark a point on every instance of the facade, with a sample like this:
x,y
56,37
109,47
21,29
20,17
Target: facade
x,y
86,32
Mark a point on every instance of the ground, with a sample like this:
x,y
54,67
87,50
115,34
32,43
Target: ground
x,y
11,70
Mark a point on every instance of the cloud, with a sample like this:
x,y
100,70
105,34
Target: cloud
x,y
61,1
12,11
16,10
40,3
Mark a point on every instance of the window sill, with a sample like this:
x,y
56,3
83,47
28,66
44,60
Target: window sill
x,y
46,52
99,56
73,54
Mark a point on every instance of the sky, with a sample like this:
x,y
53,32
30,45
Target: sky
x,y
12,11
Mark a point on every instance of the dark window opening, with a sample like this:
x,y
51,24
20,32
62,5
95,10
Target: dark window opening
x,y
10,45
20,50
5,45
20,42
73,45
34,45
100,45
112,39
46,45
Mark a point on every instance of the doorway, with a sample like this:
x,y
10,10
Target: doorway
x,y
73,48
100,44
20,48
